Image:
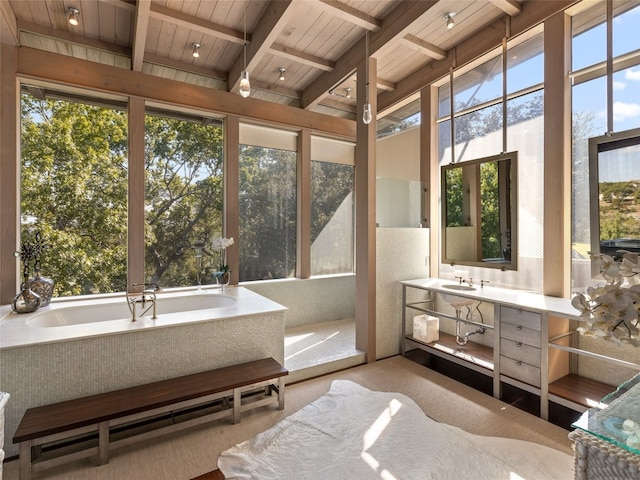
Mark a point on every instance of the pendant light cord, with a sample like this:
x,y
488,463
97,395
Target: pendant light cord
x,y
245,40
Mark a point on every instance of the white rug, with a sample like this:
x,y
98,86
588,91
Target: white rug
x,y
352,433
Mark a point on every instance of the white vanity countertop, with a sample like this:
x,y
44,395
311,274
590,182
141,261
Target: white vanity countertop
x,y
515,298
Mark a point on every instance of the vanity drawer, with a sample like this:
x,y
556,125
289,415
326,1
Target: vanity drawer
x,y
520,351
524,318
520,371
518,333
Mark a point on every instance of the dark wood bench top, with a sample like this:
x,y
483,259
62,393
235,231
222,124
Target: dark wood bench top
x,y
59,417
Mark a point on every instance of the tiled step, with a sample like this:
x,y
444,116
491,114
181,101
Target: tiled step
x,y
320,348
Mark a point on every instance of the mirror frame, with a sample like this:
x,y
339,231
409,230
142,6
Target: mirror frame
x,y
626,138
512,158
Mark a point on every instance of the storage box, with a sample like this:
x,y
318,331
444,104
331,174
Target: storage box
x,y
426,328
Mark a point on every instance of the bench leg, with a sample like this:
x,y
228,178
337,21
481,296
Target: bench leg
x,y
281,393
103,443
237,402
25,460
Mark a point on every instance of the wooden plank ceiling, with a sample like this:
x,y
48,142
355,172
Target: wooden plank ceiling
x,y
319,43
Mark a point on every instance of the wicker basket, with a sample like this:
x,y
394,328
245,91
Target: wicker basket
x,y
596,459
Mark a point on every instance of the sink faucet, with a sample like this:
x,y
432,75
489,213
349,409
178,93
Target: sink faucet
x,y
461,280
146,296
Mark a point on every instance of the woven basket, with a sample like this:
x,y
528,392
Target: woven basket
x,y
595,459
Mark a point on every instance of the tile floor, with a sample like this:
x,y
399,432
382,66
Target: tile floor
x,y
312,350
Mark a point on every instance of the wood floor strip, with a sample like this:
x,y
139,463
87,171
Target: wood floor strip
x,y
215,475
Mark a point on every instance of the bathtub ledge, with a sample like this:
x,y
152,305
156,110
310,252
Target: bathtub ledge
x,y
14,331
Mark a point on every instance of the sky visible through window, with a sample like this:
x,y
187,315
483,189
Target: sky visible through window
x,y
589,48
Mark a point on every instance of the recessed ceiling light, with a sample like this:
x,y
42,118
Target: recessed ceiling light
x,y
449,18
72,16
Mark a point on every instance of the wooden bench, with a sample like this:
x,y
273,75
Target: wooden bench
x,y
219,390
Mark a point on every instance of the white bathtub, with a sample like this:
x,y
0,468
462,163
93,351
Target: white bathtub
x,y
165,305
80,347
67,320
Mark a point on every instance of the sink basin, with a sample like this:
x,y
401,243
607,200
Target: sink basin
x,y
457,286
454,300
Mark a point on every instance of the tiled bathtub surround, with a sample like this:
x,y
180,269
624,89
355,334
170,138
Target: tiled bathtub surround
x,y
45,373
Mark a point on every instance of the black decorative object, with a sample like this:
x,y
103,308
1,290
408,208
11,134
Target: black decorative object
x,y
34,292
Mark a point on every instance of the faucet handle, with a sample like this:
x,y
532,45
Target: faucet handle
x,y
482,282
459,280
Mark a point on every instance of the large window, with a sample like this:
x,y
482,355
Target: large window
x,y
183,198
74,189
268,202
480,124
597,110
332,207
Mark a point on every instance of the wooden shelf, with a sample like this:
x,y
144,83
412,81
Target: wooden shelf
x,y
471,355
576,390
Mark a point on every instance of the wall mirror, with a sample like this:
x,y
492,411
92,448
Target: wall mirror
x,y
479,212
614,184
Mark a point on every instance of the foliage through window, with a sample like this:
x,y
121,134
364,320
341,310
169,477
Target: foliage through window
x,y
183,198
268,200
74,190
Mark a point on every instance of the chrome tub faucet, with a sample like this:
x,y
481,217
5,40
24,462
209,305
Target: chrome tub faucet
x,y
143,295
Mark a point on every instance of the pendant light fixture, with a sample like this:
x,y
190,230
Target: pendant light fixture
x,y
367,116
245,86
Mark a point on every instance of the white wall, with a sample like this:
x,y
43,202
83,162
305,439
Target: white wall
x,y
398,155
401,254
398,187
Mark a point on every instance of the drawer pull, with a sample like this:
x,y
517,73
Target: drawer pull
x,y
518,344
518,363
519,327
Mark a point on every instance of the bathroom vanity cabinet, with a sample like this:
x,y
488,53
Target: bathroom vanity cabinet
x,y
520,342
533,346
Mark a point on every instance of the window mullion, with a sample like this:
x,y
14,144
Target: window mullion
x,y
136,201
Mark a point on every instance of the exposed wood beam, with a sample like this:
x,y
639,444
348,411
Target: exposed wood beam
x,y
185,67
395,25
350,14
510,7
269,87
8,28
302,57
54,67
198,24
72,38
121,4
276,16
120,50
533,13
140,27
338,105
423,47
386,85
